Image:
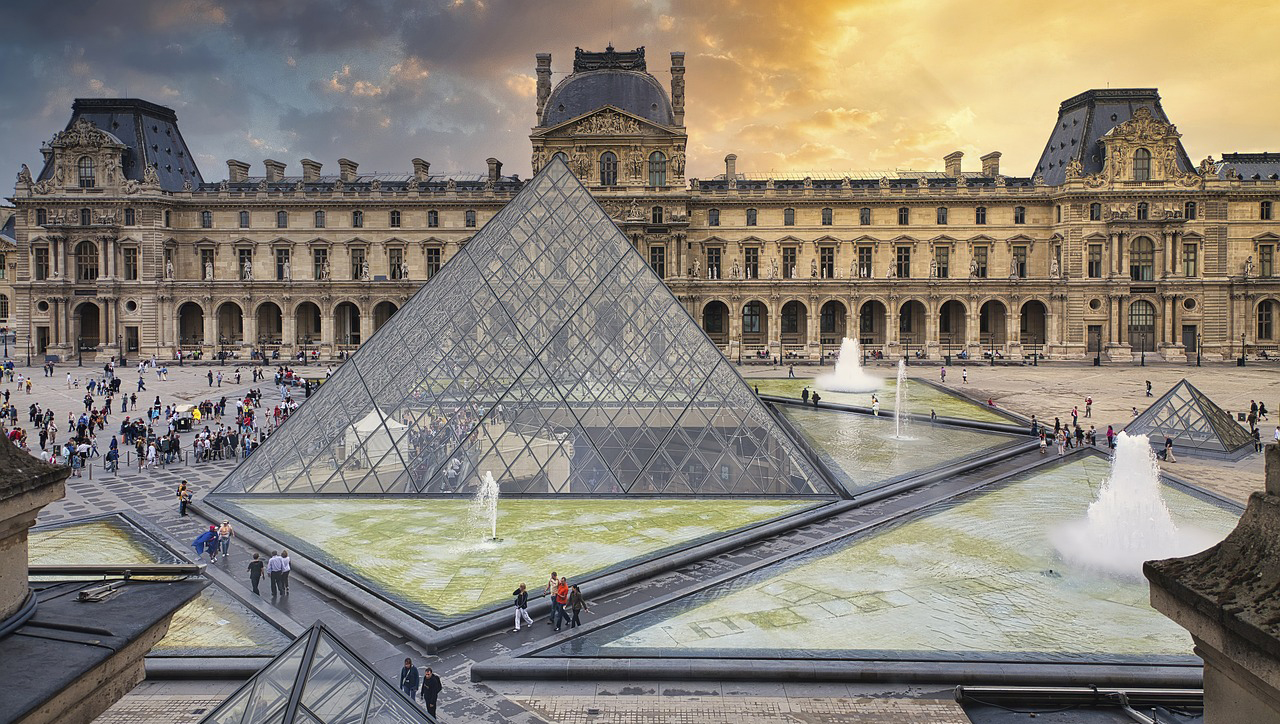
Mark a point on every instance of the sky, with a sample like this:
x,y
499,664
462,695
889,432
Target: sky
x,y
811,85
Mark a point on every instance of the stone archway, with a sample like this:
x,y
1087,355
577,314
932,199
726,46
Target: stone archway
x,y
794,324
953,330
1033,323
382,312
88,326
833,323
270,323
993,324
230,323
872,318
715,321
190,325
346,319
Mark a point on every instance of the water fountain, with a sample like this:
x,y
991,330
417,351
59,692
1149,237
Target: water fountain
x,y
900,402
484,506
849,375
1129,522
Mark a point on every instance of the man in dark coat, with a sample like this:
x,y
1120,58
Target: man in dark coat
x,y
431,687
409,679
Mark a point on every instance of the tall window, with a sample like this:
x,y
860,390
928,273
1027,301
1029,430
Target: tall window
x,y
470,219
282,219
1266,261
393,219
1190,260
657,169
1266,320
244,258
1094,270
826,217
942,216
751,217
1189,211
608,169
751,262
1057,213
130,258
1142,260
981,255
282,258
864,216
86,261
168,219
319,258
86,217
395,257
130,217
1144,211
42,217
40,264
713,217
1020,262
1264,211
357,263
4,307
904,262
980,215
1142,165
751,318
943,256
788,262
827,262
85,167
788,217
244,219
1019,214
206,219
357,219
433,261
658,260
655,215
433,218
713,262
864,262
1095,212
320,220
904,216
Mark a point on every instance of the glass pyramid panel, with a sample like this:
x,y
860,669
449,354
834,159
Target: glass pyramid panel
x,y
1192,420
548,353
317,680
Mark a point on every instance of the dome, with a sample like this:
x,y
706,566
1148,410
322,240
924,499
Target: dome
x,y
632,91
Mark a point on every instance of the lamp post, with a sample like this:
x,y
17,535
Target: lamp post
x,y
992,339
222,350
79,351
1142,345
120,347
1199,347
1242,349
4,332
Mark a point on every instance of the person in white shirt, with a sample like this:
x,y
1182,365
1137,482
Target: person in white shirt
x,y
275,567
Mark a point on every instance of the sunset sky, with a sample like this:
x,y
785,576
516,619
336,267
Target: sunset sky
x,y
788,86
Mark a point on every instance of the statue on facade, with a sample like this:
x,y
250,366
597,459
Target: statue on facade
x,y
246,273
364,271
150,177
1208,167
1248,267
208,271
693,271
893,271
773,269
813,269
324,271
404,270
168,269
973,268
1053,267
286,271
677,162
737,270
187,185
24,175
1013,267
933,268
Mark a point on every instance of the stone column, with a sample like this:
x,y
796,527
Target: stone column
x,y
211,328
813,331
67,268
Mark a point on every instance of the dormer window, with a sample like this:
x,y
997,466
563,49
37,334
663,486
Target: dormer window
x,y
85,166
657,169
1142,165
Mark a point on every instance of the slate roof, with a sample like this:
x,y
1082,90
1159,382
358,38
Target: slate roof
x,y
1082,122
630,90
1251,166
150,132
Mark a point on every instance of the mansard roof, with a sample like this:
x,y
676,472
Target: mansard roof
x,y
609,78
1251,166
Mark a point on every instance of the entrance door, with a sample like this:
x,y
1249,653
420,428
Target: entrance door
x,y
1189,338
131,339
42,340
1095,338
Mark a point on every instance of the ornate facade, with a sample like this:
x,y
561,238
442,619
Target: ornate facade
x,y
1115,245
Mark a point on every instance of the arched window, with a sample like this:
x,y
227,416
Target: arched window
x,y
788,217
904,216
1144,211
86,217
357,219
470,218
826,217
433,218
1266,319
394,220
1095,212
657,169
1142,165
85,166
942,216
751,217
980,215
282,219
244,219
656,215
1142,325
713,217
206,219
130,217
1142,253
1019,214
608,169
86,261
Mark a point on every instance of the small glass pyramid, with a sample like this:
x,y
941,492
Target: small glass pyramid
x,y
548,354
317,680
1193,421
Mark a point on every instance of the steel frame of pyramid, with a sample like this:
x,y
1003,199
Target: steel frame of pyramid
x,y
549,354
317,680
1195,423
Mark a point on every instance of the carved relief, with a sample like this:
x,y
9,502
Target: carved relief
x,y
606,123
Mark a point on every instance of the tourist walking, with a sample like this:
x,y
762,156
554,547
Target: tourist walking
x,y
550,589
522,606
1262,408
1168,450
286,569
255,573
1148,388
1257,439
431,687
1111,438
791,372
224,538
274,567
964,375
409,679
184,498
816,397
577,604
943,373
1088,406
561,600
804,395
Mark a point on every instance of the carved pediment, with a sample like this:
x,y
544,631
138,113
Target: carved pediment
x,y
1144,127
83,133
606,121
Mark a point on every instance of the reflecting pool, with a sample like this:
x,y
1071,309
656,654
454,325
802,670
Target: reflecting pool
x,y
973,578
920,397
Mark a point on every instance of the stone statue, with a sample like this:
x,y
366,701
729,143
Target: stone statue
x,y
247,272
168,269
737,270
693,271
813,269
1013,267
404,270
1248,267
24,175
1208,167
364,271
1075,169
150,177
287,271
773,269
973,268
208,271
324,271
1053,267
187,185
677,163
893,271
933,268
634,213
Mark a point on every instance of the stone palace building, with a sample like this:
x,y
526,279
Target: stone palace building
x,y
1116,244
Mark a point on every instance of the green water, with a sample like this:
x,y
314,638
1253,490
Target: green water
x,y
921,398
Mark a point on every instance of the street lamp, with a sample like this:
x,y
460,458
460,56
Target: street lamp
x,y
79,351
4,332
992,339
1199,348
1242,349
222,350
1142,344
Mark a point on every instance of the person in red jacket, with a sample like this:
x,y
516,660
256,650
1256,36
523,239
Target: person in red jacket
x,y
562,598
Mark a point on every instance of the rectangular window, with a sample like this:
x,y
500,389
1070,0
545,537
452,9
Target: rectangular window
x,y
3,271
981,255
1190,260
864,216
319,260
1189,211
130,259
1266,261
980,215
395,257
751,262
244,258
282,260
1019,214
40,265
394,220
357,263
1264,210
943,255
864,262
713,262
1020,261
470,219
904,262
826,217
788,217
904,216
713,217
827,262
942,216
1095,262
42,217
206,264
789,262
658,260
1057,213
433,261
130,217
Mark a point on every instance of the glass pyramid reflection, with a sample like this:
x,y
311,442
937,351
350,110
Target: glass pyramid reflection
x,y
549,354
1194,422
317,680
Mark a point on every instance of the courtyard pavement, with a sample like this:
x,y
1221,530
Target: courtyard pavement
x,y
1047,390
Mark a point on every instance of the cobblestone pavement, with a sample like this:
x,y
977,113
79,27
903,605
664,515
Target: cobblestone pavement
x,y
742,710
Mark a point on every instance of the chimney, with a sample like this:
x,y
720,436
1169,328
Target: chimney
x,y
310,170
544,82
952,160
347,170
495,170
421,170
237,171
731,167
677,87
275,170
991,164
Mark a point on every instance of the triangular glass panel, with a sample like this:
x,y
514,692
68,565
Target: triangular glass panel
x,y
1193,422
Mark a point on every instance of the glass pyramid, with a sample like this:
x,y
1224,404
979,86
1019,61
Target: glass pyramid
x,y
1193,421
548,354
317,680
